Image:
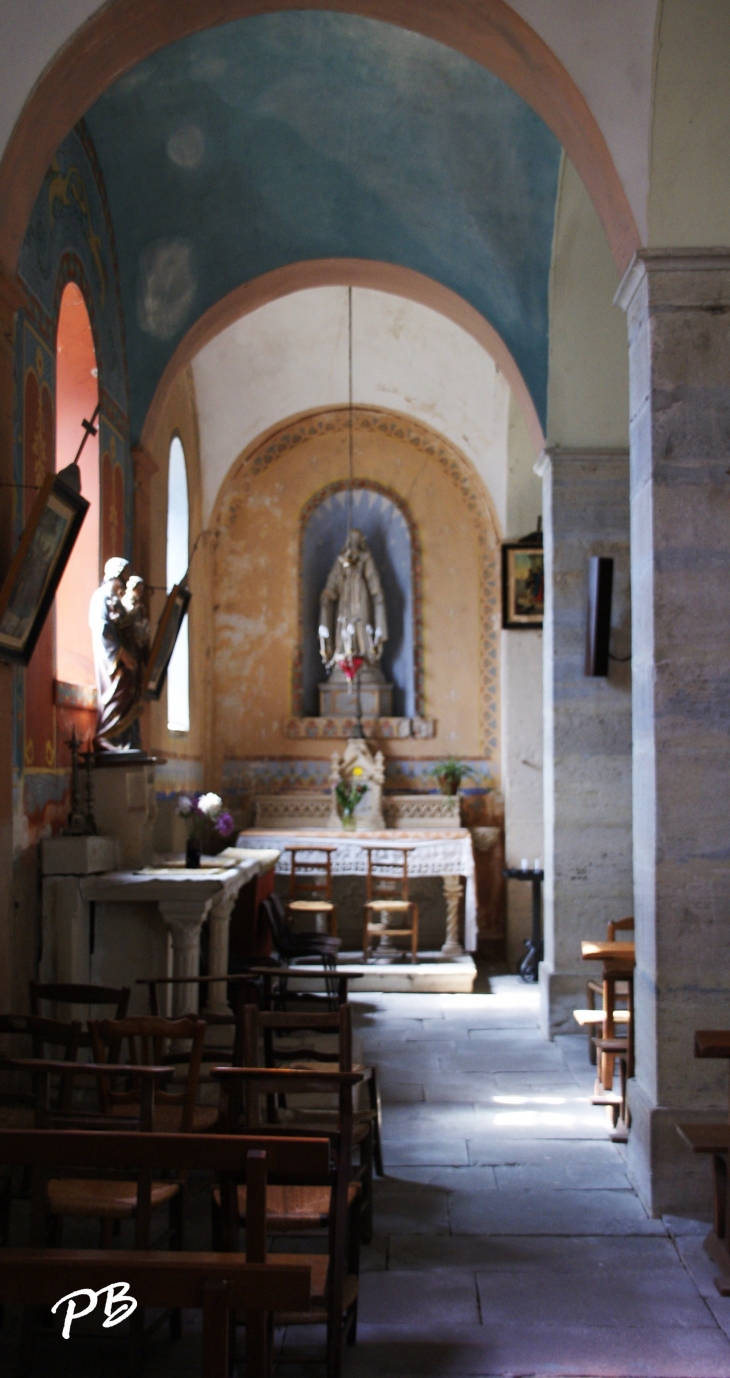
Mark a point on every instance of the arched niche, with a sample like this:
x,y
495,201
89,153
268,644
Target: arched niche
x,y
387,530
77,395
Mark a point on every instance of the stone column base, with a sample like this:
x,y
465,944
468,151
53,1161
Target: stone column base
x,y
668,1176
561,992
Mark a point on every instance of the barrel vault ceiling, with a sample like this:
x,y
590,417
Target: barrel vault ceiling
x,y
307,135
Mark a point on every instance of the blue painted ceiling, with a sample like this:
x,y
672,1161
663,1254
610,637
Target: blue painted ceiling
x,y
308,135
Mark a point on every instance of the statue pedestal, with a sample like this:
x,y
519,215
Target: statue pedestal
x,y
358,766
338,698
125,805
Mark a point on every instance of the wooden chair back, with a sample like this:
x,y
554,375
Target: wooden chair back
x,y
75,994
46,1036
45,1071
146,1038
218,1282
311,872
242,985
387,873
243,1088
49,1152
262,1026
619,926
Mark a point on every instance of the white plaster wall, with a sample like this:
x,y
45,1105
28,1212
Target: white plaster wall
x,y
522,752
524,488
292,355
690,177
588,380
606,48
31,34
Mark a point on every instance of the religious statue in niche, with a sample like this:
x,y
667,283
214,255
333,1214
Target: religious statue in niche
x,y
353,629
120,635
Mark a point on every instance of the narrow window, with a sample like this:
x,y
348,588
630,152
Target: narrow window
x,y
77,393
178,674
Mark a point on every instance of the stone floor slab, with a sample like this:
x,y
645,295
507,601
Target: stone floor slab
x,y
510,1351
663,1298
551,1212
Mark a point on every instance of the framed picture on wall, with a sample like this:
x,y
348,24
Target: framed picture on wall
x,y
523,585
38,564
168,629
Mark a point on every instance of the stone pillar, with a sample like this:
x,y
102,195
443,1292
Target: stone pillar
x,y
184,919
219,923
678,308
587,726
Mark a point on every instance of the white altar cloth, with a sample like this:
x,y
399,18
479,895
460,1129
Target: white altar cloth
x,y
436,852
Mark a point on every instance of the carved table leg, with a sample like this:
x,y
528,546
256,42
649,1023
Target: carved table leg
x,y
184,918
219,922
453,891
386,951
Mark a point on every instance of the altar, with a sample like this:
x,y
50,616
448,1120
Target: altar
x,y
444,852
113,927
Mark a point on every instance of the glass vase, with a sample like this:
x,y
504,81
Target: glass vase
x,y
192,854
348,822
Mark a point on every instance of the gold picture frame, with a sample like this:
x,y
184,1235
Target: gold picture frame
x,y
523,586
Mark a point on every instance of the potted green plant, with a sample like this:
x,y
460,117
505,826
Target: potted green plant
x,y
450,773
348,797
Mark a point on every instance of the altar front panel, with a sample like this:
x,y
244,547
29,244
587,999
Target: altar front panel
x,y
436,852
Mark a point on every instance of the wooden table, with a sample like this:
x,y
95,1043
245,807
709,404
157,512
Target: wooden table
x,y
618,961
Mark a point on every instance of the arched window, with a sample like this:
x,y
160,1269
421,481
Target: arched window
x,y
178,674
77,393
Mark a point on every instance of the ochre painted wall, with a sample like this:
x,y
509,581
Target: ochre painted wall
x,y
256,533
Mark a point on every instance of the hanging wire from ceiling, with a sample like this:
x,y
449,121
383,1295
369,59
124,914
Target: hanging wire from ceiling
x,y
349,414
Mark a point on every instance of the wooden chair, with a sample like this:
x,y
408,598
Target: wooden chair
x,y
386,894
261,1031
75,994
146,1036
47,1037
298,947
336,992
334,1275
219,1283
310,883
594,989
244,985
50,1115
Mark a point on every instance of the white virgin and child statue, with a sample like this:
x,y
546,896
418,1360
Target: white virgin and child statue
x,y
120,637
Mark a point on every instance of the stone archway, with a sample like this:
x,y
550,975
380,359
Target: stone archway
x,y
343,272
121,34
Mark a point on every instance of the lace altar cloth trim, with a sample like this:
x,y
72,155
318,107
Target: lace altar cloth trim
x,y
436,852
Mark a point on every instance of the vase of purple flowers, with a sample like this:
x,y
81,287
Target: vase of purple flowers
x,y
200,811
